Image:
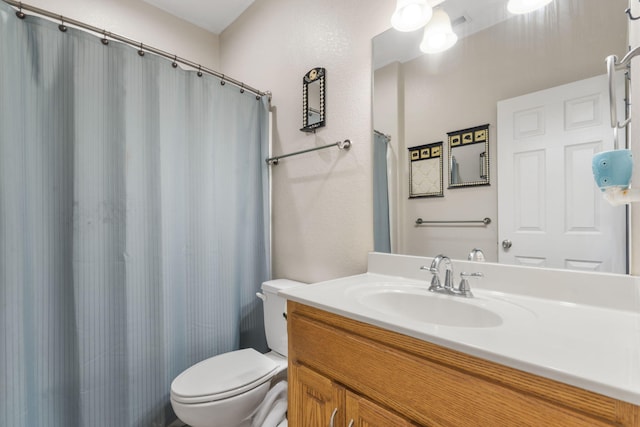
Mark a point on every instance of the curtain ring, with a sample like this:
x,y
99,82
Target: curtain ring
x,y
62,27
20,14
104,39
199,70
174,64
242,88
140,51
222,82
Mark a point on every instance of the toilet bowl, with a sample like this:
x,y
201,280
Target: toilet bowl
x,y
225,390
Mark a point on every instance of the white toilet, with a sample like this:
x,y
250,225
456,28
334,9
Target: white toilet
x,y
225,390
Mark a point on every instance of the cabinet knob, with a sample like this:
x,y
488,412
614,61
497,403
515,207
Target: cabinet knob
x,y
333,416
506,244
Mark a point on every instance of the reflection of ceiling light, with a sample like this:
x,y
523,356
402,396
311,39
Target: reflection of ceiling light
x,y
438,34
411,15
526,6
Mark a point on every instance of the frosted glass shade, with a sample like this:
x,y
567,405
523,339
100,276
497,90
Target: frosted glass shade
x,y
526,6
411,15
438,34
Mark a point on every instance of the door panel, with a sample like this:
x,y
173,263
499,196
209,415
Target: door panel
x,y
549,207
364,413
313,399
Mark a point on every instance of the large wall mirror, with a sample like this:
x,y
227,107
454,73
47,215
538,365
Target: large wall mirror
x,y
499,59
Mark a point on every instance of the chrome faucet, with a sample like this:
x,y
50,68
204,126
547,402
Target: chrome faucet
x,y
436,285
448,288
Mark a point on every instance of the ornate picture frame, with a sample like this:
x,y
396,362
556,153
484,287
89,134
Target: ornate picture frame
x,y
425,171
469,157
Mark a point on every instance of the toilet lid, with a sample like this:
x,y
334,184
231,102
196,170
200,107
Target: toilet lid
x,y
223,376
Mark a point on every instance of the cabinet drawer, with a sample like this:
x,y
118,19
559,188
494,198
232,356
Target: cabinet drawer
x,y
425,390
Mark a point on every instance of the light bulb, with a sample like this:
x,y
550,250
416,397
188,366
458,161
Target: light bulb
x,y
411,15
438,34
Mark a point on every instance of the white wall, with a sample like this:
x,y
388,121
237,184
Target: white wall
x,y
322,219
322,201
142,22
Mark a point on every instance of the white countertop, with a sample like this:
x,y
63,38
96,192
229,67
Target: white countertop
x,y
595,347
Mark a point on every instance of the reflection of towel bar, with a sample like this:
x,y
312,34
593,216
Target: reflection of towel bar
x,y
612,66
485,221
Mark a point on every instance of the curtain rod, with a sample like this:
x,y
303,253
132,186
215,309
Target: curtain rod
x,y
377,132
141,47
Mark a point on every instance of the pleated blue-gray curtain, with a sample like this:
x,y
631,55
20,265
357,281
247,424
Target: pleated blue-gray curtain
x,y
381,228
133,226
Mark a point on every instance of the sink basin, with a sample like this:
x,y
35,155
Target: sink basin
x,y
431,308
416,303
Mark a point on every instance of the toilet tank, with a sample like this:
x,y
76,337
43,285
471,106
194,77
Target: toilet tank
x,y
275,323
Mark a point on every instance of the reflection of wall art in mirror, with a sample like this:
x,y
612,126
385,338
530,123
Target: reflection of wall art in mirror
x,y
425,171
469,157
313,99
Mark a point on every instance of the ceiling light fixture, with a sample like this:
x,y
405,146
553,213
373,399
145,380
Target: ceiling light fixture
x,y
411,15
526,6
438,34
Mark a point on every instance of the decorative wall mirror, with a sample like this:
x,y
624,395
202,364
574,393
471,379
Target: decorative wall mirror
x,y
469,157
313,94
425,171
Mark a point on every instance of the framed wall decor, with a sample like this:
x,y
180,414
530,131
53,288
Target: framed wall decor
x,y
469,157
314,90
425,171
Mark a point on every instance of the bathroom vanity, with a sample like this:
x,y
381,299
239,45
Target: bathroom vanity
x,y
354,361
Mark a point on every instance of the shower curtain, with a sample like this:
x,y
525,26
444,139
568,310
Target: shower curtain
x,y
381,228
133,226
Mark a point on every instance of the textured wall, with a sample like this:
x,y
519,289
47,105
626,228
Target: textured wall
x,y
142,22
322,201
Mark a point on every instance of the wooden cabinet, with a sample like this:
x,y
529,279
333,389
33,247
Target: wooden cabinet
x,y
313,399
380,378
317,401
362,412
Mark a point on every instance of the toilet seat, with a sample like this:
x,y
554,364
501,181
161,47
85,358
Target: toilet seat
x,y
223,376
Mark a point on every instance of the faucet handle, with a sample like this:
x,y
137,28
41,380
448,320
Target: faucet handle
x,y
433,270
435,280
464,289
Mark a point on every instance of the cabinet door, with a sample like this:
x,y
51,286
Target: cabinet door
x,y
364,413
314,400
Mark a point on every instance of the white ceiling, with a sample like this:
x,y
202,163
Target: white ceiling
x,y
212,15
467,17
